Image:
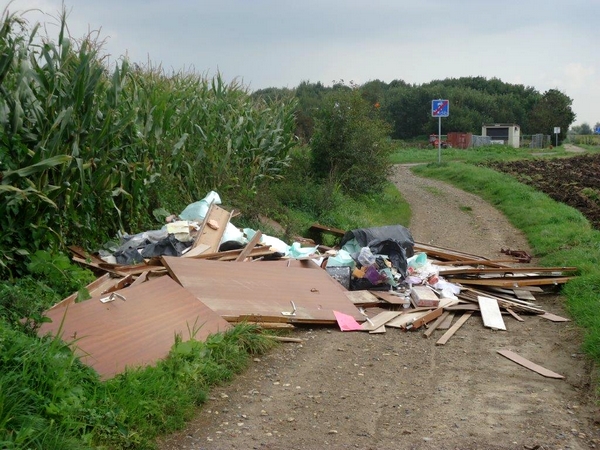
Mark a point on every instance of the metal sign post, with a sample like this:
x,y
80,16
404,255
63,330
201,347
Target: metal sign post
x,y
439,109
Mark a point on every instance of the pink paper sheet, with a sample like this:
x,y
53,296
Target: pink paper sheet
x,y
346,322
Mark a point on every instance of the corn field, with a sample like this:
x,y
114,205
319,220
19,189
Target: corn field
x,y
88,148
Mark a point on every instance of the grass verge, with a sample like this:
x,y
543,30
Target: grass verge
x,y
558,234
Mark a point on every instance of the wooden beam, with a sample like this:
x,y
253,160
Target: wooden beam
x,y
454,328
515,315
490,313
435,324
249,246
529,365
447,322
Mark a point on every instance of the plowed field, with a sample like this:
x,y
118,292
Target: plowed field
x,y
574,181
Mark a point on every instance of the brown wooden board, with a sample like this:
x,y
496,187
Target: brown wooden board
x,y
454,328
555,271
263,290
554,318
436,324
528,364
363,298
208,235
390,298
135,332
245,253
447,322
512,282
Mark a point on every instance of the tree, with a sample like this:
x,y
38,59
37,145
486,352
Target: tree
x,y
552,110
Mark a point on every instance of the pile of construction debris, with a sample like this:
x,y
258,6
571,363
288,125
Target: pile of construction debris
x,y
377,278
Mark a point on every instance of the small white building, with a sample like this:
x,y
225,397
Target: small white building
x,y
508,133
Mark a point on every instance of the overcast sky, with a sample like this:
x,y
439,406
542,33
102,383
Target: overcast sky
x,y
546,44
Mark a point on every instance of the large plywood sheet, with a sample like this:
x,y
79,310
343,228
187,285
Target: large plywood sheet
x,y
137,331
262,290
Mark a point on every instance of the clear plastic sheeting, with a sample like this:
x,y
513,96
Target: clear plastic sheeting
x,y
198,210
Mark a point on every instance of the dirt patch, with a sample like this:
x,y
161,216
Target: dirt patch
x,y
399,390
573,181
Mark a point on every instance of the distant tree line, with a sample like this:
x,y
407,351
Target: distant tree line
x,y
407,107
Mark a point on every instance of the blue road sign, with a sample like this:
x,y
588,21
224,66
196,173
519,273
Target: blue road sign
x,y
597,130
440,108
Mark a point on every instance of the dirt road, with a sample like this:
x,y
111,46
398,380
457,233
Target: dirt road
x,y
399,390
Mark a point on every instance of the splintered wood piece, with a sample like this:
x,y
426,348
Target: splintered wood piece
x,y
436,324
195,251
425,319
388,297
490,313
554,317
249,246
447,322
522,294
379,320
529,365
362,298
211,236
515,315
454,328
406,318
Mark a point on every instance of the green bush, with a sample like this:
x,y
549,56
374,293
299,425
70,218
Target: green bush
x,y
350,144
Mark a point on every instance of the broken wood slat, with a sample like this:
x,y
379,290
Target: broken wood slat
x,y
212,236
196,251
379,320
406,318
363,298
249,246
463,307
418,323
284,338
122,283
325,229
436,324
271,292
447,322
134,332
512,282
480,262
524,295
454,328
230,255
490,313
529,365
515,315
389,297
554,317
446,253
379,330
471,295
505,270
92,265
94,288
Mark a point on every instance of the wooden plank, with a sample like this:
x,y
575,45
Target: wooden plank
x,y
506,270
379,320
463,307
95,287
362,298
515,315
554,317
490,313
522,294
135,332
263,290
249,246
406,318
418,323
512,282
436,324
379,330
195,251
528,364
393,299
211,236
447,322
325,229
454,328
121,284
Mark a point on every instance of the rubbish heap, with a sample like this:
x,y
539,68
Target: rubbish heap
x,y
180,280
